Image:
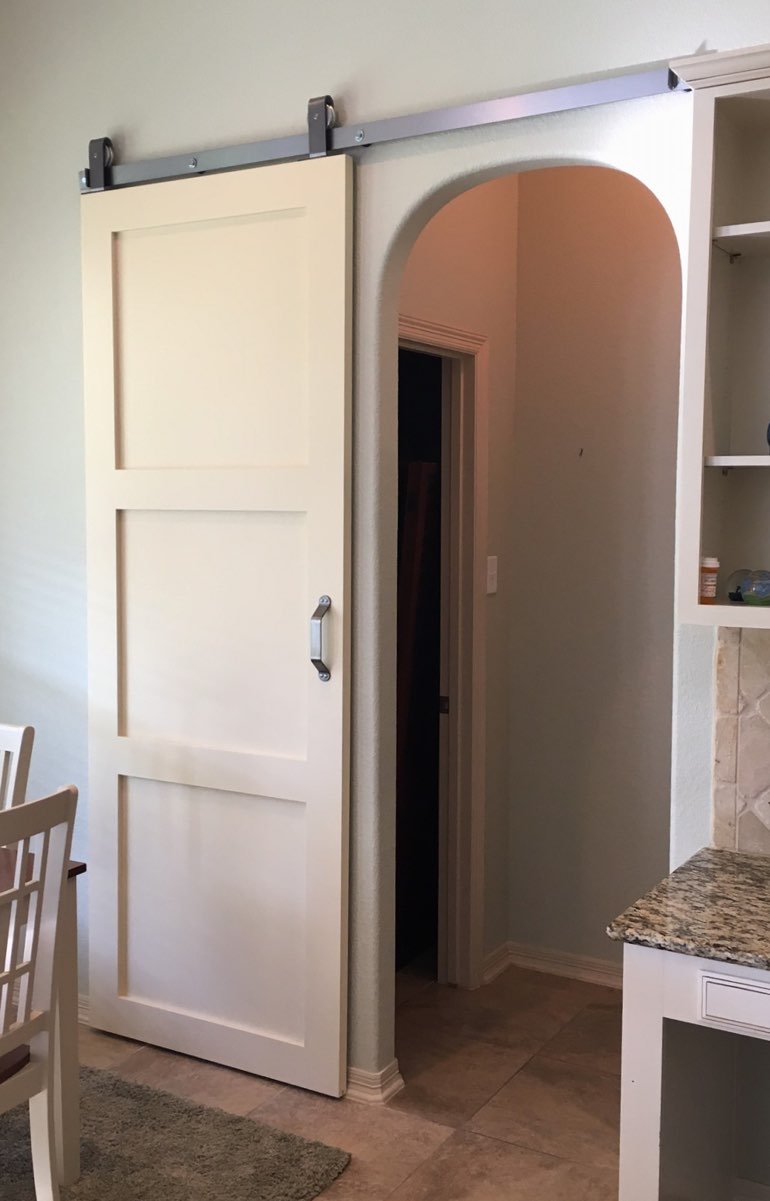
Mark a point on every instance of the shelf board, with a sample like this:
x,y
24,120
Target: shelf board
x,y
756,617
738,460
752,239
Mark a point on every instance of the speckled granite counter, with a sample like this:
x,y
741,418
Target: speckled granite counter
x,y
715,906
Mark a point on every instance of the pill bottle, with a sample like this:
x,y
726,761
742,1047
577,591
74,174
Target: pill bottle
x,y
709,570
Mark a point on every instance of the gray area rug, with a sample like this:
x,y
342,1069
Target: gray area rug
x,y
140,1144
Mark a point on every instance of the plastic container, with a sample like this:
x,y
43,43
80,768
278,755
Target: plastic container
x,y
709,573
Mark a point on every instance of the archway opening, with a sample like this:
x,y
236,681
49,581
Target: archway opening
x,y
533,798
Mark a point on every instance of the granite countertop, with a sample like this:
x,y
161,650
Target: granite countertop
x,y
715,906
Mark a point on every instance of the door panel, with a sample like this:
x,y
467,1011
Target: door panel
x,y
172,912
217,365
197,383
199,580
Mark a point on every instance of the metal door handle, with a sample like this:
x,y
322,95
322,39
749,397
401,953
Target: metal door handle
x,y
316,638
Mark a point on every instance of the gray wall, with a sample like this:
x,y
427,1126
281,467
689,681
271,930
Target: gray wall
x,y
583,322
592,508
172,76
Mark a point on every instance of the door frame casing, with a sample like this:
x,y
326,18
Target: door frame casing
x,y
462,801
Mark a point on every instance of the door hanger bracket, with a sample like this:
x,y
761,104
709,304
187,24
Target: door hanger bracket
x,y
321,119
98,174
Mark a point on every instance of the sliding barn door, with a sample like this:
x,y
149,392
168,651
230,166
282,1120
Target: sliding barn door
x,y
217,365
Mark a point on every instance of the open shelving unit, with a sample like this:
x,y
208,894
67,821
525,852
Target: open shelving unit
x,y
725,485
751,239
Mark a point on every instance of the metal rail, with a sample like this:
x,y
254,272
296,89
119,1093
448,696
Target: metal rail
x,y
323,137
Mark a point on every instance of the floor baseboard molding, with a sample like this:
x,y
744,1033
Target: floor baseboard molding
x,y
748,1190
84,1009
554,963
374,1088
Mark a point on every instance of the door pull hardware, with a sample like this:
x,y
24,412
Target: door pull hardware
x,y
316,638
443,704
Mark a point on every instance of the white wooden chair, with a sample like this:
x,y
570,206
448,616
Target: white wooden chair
x,y
35,840
15,754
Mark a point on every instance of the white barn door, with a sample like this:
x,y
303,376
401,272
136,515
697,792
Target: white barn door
x,y
217,374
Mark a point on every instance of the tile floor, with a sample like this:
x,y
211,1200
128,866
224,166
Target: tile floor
x,y
512,1094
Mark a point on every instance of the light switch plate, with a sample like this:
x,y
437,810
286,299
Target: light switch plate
x,y
491,575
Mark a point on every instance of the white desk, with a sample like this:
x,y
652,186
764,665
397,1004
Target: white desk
x,y
691,947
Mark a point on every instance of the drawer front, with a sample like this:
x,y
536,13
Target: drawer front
x,y
740,1004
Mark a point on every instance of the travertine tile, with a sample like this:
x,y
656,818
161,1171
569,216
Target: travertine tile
x,y
206,1083
726,748
753,835
518,1004
591,1040
761,808
763,707
754,679
753,755
448,1076
723,824
99,1050
412,980
728,652
557,1109
469,1167
386,1146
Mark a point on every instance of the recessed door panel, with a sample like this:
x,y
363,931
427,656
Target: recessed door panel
x,y
185,877
193,584
196,383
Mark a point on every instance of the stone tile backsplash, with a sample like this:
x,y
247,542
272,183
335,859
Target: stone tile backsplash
x,y
741,811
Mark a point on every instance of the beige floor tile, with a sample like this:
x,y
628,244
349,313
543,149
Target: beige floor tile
x,y
592,1039
386,1146
99,1050
448,1076
412,980
558,1109
206,1083
471,1168
519,1003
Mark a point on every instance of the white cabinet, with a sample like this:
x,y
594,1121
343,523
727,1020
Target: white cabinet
x,y
724,497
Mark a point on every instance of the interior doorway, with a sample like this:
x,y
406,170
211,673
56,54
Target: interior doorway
x,y
423,486
441,641
568,489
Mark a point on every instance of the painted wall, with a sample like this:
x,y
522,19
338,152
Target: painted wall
x,y
462,273
175,76
580,634
592,507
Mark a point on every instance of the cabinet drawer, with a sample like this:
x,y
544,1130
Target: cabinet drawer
x,y
734,1002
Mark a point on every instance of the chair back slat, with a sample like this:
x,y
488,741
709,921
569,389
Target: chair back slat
x,y
35,841
15,755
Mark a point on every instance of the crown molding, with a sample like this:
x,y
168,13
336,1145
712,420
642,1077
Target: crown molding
x,y
723,67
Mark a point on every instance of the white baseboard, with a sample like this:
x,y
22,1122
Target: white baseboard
x,y
748,1190
374,1088
554,963
84,1009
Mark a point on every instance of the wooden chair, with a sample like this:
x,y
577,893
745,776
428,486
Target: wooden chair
x,y
35,840
15,754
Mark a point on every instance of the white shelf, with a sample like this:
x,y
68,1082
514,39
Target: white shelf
x,y
752,239
753,617
738,460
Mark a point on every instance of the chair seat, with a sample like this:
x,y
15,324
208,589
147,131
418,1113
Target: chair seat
x,y
13,1062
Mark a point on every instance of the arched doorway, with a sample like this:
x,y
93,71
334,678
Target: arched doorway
x,y
570,276
397,194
